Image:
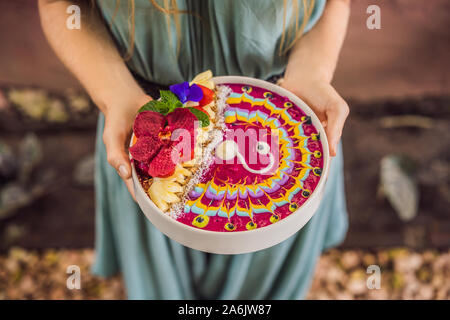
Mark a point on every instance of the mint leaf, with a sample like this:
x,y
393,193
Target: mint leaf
x,y
166,104
154,105
168,97
201,116
172,107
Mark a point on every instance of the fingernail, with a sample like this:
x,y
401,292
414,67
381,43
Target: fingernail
x,y
123,171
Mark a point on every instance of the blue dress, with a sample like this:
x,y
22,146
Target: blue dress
x,y
236,38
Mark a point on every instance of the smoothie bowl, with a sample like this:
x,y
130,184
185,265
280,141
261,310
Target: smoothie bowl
x,y
245,177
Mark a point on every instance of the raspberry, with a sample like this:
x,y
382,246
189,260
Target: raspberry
x,y
162,165
141,167
148,123
181,118
157,143
145,148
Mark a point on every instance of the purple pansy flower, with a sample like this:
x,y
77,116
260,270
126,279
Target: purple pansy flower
x,y
185,93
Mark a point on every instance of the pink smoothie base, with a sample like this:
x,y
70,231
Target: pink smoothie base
x,y
235,172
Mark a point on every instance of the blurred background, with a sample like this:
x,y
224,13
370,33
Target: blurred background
x,y
396,145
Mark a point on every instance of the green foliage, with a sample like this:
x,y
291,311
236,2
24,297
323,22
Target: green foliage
x,y
169,98
165,105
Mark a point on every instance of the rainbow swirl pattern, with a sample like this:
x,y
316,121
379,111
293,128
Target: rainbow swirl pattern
x,y
242,194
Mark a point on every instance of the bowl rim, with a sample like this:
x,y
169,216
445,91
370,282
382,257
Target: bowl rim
x,y
220,80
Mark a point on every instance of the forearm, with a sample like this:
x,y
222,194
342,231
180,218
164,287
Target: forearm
x,y
90,55
317,52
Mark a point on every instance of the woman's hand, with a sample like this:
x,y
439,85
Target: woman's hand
x,y
119,118
90,54
328,105
311,65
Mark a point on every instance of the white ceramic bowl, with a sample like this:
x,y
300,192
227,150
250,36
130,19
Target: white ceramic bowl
x,y
241,241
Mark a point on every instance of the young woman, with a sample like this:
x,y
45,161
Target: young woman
x,y
122,44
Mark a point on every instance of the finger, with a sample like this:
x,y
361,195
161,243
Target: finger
x,y
321,116
337,113
118,159
318,111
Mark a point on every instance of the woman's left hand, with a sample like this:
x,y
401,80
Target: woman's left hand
x,y
328,105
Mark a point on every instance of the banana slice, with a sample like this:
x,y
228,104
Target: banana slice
x,y
210,112
163,191
204,79
166,191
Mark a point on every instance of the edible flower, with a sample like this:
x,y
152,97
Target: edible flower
x,y
186,92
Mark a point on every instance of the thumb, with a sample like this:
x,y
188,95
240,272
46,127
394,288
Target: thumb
x,y
337,112
115,150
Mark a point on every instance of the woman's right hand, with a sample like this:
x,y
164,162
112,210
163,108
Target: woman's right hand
x,y
119,118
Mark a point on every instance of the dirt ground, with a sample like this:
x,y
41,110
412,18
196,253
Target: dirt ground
x,y
340,274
